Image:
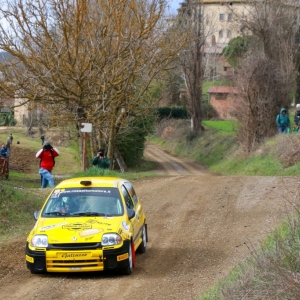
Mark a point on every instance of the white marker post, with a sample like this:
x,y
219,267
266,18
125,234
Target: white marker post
x,y
86,127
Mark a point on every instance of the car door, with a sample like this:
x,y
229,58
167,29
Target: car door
x,y
137,206
135,221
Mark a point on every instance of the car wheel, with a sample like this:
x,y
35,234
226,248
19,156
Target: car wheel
x,y
142,247
31,269
130,263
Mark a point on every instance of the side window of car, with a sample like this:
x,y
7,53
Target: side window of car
x,y
127,198
131,191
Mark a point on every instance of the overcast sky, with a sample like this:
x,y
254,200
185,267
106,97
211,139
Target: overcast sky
x,y
174,4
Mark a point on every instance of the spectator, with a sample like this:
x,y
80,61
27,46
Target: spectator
x,y
100,160
8,144
283,121
297,117
3,151
43,139
47,155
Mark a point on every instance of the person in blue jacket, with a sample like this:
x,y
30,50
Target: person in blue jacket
x,y
283,121
3,151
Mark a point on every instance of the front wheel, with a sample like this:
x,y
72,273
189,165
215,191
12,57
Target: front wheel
x,y
142,247
127,270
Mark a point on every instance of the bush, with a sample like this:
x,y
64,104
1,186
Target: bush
x,y
172,113
131,140
208,112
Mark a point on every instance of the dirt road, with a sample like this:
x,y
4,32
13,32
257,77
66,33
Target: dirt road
x,y
200,226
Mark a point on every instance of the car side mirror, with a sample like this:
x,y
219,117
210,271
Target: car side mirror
x,y
130,213
36,214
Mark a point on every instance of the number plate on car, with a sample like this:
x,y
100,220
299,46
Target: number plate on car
x,y
74,256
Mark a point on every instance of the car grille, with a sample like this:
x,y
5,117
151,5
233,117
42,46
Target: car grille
x,y
74,246
74,264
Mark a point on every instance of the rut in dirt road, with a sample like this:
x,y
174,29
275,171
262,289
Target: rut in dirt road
x,y
171,165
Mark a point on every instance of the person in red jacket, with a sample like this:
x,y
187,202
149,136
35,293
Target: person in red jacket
x,y
47,155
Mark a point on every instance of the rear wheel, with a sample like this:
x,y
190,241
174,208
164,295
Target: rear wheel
x,y
142,247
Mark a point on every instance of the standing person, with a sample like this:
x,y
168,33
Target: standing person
x,y
8,144
283,121
43,139
100,160
297,117
47,155
3,151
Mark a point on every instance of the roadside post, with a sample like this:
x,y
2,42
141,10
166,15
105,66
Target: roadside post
x,y
86,127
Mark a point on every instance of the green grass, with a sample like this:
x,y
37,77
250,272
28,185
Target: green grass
x,y
95,171
264,166
16,210
228,127
157,140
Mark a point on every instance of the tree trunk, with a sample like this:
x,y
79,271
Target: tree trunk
x,y
39,116
120,161
111,141
29,124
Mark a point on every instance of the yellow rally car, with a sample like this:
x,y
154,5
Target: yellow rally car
x,y
88,224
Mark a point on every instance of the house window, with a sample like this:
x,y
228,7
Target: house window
x,y
229,18
222,17
213,40
221,34
221,96
229,34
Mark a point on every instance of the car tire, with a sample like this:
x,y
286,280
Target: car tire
x,y
142,247
31,269
131,260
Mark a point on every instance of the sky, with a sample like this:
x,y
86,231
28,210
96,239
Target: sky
x,y
174,4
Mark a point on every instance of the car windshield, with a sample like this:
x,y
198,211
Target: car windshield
x,y
74,202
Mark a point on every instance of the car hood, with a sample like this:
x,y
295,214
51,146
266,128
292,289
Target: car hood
x,y
78,230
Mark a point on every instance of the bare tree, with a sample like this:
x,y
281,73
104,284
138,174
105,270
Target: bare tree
x,y
88,61
266,75
192,20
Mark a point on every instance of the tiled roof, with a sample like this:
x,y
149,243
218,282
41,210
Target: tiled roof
x,y
222,90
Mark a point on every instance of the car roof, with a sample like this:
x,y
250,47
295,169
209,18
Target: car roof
x,y
95,182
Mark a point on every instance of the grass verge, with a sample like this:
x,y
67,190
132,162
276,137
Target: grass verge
x,y
16,210
217,148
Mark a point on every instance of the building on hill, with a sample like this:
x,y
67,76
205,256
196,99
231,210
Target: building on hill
x,y
21,111
224,99
220,24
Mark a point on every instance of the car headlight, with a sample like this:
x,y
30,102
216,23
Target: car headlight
x,y
39,240
109,239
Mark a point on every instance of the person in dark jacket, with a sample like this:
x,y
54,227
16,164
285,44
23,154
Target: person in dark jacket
x,y
297,117
283,121
47,155
43,139
100,160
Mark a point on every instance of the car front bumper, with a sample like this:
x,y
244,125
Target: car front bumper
x,y
83,260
